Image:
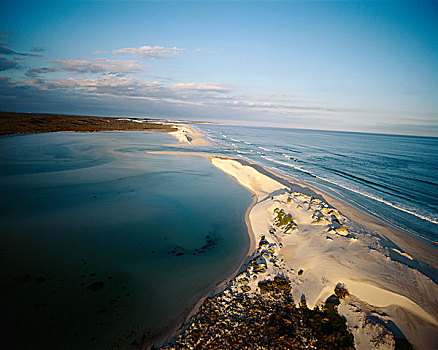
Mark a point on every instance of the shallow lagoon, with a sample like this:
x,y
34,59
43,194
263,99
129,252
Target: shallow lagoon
x,y
102,242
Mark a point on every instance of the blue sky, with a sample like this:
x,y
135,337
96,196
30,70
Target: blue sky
x,y
354,66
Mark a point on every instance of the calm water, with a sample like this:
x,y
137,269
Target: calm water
x,y
102,242
395,177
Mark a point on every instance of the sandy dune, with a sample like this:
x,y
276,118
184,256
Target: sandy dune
x,y
319,247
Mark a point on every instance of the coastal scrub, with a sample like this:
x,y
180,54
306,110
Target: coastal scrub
x,y
269,320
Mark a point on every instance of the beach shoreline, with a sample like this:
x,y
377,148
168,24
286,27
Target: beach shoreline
x,y
188,136
367,284
396,250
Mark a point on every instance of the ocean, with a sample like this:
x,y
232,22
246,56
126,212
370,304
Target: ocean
x,y
392,177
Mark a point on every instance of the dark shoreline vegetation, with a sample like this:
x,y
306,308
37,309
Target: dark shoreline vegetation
x,y
265,320
26,123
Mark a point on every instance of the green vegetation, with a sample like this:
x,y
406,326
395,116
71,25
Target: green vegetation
x,y
278,285
329,325
24,123
245,289
259,268
284,220
263,242
341,292
235,320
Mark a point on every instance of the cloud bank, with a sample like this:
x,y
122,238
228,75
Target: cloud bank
x,y
98,65
5,50
150,51
8,63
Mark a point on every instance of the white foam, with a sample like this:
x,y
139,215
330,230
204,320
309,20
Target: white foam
x,y
290,165
365,194
265,149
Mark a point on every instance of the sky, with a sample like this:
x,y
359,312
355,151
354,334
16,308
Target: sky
x,y
368,66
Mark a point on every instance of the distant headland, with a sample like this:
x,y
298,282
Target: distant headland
x,y
26,123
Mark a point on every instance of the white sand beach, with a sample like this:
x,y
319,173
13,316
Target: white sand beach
x,y
321,247
188,136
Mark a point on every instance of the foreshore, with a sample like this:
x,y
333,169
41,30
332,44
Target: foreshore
x,y
319,242
188,136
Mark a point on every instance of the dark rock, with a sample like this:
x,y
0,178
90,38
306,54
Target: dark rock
x,y
96,286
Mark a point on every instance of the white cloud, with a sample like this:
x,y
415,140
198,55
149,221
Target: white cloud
x,y
214,96
206,87
106,81
99,65
40,70
99,52
150,51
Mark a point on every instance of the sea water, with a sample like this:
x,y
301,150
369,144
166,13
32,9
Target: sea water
x,y
393,177
103,244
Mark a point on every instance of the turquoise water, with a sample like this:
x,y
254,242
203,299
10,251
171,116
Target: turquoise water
x,y
102,243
